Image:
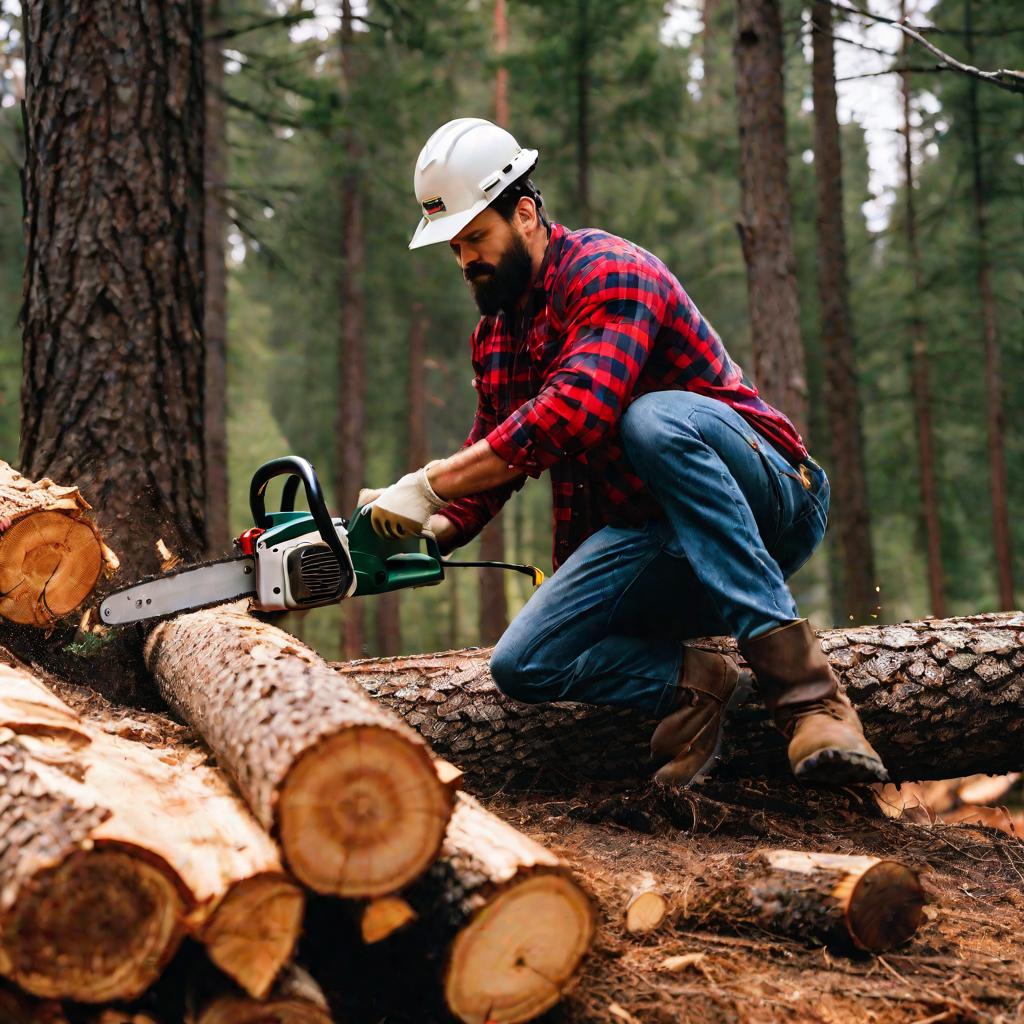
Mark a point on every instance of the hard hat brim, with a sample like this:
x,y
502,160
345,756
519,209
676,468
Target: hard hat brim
x,y
444,229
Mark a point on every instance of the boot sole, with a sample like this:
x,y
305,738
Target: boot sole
x,y
835,767
744,688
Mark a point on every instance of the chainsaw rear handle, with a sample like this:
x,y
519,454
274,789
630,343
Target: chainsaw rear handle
x,y
297,470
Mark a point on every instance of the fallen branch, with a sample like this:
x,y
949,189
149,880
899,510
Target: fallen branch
x,y
937,698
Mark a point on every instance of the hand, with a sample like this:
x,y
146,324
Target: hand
x,y
404,508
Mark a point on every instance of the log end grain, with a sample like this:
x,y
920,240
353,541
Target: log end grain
x,y
512,962
363,813
49,564
885,906
296,999
101,926
645,911
253,932
383,917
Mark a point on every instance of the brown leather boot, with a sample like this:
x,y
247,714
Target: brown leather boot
x,y
686,740
826,740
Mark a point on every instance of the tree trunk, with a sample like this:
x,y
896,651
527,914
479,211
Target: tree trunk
x,y
215,411
920,384
348,789
582,43
765,218
995,420
501,75
150,839
113,354
50,553
849,479
351,430
937,698
863,902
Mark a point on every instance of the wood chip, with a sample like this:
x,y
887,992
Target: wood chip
x,y
680,963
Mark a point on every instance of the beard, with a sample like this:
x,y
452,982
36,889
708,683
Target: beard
x,y
498,288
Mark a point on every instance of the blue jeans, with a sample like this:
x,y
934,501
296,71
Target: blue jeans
x,y
609,625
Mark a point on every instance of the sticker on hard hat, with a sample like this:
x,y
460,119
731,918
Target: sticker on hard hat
x,y
432,206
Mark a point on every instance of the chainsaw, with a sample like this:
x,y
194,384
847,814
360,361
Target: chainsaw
x,y
293,559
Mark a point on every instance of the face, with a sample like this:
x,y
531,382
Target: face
x,y
494,260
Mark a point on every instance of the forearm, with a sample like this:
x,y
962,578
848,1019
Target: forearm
x,y
470,471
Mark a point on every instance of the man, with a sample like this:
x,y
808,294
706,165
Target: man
x,y
682,500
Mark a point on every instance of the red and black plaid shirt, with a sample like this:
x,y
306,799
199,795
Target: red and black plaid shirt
x,y
606,322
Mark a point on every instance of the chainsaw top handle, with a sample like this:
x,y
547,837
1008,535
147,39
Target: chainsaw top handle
x,y
297,470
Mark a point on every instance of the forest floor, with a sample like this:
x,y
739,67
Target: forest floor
x,y
966,963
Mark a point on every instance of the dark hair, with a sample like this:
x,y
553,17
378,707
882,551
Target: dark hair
x,y
507,202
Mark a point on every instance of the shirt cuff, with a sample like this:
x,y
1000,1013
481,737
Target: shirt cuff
x,y
523,457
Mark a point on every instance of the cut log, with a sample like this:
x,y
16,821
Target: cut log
x,y
646,907
348,788
937,698
295,999
50,553
513,921
863,902
128,847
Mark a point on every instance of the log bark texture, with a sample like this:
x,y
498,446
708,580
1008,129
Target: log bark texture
x,y
112,394
507,915
937,698
860,902
51,554
114,847
350,790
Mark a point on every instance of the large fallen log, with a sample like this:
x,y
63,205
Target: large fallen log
x,y
937,698
347,787
860,902
110,850
50,553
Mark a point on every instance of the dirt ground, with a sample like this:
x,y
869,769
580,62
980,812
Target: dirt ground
x,y
966,963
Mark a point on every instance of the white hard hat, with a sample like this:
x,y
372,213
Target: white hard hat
x,y
465,165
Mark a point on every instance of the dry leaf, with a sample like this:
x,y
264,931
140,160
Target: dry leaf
x,y
986,789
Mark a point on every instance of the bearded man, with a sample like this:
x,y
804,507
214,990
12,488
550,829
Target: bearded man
x,y
682,500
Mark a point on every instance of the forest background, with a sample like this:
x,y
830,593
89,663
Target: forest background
x,y
633,107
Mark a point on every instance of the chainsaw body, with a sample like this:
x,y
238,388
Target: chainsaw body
x,y
292,559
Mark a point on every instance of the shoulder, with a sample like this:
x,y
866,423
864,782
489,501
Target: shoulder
x,y
596,264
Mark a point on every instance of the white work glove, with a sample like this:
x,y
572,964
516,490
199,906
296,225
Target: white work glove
x,y
405,508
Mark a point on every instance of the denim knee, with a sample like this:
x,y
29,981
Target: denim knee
x,y
657,422
511,675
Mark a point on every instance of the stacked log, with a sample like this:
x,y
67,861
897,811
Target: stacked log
x,y
110,852
296,999
348,789
937,698
51,554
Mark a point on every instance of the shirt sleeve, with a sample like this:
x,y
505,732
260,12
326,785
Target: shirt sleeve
x,y
469,515
613,314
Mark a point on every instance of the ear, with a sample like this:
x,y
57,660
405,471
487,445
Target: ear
x,y
526,215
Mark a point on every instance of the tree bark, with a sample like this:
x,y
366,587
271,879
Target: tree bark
x,y
151,840
501,74
995,420
937,698
849,480
112,393
582,44
859,902
348,789
920,384
51,554
511,962
765,219
215,409
351,430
